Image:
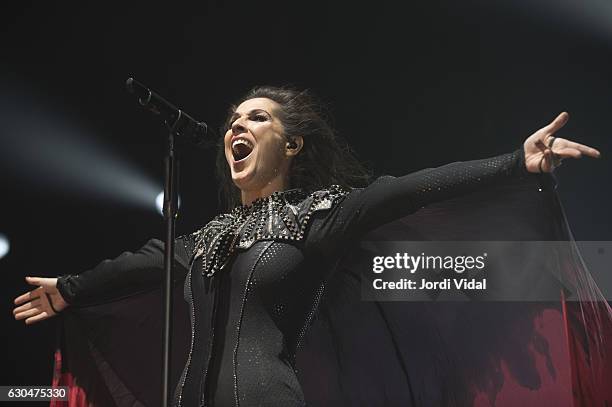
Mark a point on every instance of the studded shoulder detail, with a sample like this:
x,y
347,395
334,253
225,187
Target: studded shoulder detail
x,y
284,215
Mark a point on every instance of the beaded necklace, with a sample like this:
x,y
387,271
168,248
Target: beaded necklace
x,y
284,216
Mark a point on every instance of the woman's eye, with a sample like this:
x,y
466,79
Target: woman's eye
x,y
260,118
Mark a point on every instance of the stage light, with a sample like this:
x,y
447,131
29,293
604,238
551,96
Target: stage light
x,y
51,150
589,16
5,245
159,203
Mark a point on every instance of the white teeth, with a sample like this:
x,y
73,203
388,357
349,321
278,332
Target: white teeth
x,y
243,152
242,141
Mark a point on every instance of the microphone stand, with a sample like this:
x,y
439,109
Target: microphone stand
x,y
180,125
171,169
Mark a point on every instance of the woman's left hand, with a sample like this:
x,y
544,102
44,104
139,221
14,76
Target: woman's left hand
x,y
544,151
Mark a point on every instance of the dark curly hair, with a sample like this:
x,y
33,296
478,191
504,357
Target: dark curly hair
x,y
325,158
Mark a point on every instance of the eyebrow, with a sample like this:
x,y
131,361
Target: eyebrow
x,y
236,115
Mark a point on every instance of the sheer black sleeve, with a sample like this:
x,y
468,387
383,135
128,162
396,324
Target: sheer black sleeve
x,y
128,274
389,198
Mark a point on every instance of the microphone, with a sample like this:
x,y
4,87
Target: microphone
x,y
179,122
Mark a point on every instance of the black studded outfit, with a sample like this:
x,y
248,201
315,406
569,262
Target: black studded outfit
x,y
255,276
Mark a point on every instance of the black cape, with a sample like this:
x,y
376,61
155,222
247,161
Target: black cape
x,y
410,353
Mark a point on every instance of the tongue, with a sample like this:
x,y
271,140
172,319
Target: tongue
x,y
241,151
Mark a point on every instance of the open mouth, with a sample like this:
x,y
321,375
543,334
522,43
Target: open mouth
x,y
241,149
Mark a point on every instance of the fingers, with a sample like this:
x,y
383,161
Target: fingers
x,y
586,150
39,317
29,296
571,149
37,280
546,165
35,310
35,305
556,124
27,306
541,146
568,153
28,313
33,280
544,151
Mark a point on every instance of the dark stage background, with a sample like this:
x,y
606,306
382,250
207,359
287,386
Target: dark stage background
x,y
409,84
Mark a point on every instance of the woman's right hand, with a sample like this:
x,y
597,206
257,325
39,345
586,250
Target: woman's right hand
x,y
41,303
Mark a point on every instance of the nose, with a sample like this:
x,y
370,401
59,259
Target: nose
x,y
238,126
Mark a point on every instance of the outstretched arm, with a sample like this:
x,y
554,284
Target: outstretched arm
x,y
390,198
111,279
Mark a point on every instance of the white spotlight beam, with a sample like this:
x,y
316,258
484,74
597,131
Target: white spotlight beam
x,y
50,150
